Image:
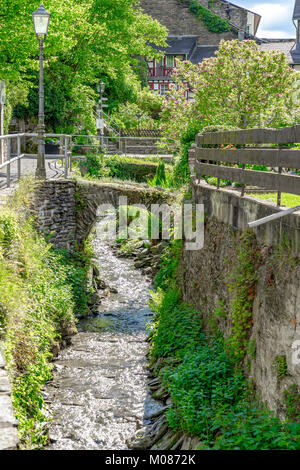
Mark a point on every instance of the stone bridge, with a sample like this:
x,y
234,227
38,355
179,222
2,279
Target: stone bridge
x,y
68,208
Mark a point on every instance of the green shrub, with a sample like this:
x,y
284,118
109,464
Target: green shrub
x,y
212,21
280,366
120,167
8,229
292,402
169,263
208,391
41,290
94,166
242,285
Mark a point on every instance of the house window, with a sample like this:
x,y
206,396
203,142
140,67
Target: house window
x,y
151,85
169,61
164,87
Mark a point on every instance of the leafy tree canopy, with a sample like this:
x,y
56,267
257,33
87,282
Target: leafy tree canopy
x,y
87,41
240,87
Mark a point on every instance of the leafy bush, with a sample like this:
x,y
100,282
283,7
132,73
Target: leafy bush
x,y
41,290
131,116
94,165
120,167
8,229
150,103
212,21
169,264
209,393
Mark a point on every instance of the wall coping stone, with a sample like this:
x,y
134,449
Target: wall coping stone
x,y
228,207
8,425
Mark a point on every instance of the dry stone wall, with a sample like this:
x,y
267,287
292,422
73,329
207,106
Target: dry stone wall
x,y
205,279
180,21
8,424
67,209
54,202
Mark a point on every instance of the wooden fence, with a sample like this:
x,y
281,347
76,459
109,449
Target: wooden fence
x,y
140,133
225,155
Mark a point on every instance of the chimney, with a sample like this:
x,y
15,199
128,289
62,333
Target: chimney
x,y
241,36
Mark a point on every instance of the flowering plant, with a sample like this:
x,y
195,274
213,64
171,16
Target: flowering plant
x,y
241,87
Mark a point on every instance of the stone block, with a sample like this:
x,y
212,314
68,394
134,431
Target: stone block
x,y
8,438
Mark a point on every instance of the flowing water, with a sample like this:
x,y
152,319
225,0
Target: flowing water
x,y
99,394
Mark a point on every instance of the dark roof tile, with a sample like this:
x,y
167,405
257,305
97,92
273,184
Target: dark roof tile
x,y
175,46
296,54
296,15
203,52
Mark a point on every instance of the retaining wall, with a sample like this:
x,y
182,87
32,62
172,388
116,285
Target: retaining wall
x,y
206,276
8,424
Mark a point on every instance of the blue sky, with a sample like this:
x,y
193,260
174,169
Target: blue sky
x,y
276,17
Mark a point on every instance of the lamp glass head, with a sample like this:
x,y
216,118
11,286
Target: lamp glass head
x,y
41,18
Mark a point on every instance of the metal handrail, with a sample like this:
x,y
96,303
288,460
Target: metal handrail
x,y
65,140
12,160
65,149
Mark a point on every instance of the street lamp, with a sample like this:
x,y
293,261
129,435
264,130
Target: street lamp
x,y
41,18
101,88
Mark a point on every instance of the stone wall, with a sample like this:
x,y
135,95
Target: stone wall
x,y
276,309
180,21
8,424
54,202
67,209
234,14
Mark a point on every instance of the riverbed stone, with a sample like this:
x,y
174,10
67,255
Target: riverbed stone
x,y
8,438
4,383
166,442
141,440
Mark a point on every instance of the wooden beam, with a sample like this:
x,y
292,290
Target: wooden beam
x,y
263,179
269,157
284,135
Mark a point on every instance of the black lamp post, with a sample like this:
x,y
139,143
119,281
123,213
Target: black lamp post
x,y
41,18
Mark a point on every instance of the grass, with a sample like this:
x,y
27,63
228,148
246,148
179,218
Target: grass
x,y
288,200
41,290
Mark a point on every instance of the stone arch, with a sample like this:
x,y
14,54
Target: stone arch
x,y
67,209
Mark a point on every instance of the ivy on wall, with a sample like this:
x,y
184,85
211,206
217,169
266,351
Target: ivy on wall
x,y
242,285
213,22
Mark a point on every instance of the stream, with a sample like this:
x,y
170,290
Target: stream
x,y
99,395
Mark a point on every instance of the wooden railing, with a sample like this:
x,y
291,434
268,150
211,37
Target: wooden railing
x,y
224,155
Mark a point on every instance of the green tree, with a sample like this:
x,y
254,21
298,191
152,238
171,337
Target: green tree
x,y
87,41
240,87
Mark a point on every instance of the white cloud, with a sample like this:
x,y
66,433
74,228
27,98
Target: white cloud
x,y
273,34
276,20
